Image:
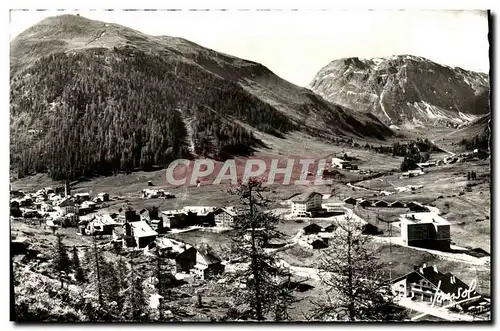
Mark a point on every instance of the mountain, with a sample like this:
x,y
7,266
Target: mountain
x,y
405,90
89,97
476,132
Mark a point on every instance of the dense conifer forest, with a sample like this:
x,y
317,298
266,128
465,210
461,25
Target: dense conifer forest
x,y
99,111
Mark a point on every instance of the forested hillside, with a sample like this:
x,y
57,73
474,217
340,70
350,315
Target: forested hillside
x,y
99,111
93,98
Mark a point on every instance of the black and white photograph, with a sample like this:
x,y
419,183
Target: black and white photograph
x,y
246,165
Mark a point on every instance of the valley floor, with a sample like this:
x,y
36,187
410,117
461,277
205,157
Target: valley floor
x,y
441,187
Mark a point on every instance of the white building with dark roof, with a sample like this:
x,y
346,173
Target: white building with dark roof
x,y
306,202
427,230
224,217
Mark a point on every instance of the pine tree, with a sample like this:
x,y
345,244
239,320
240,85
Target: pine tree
x,y
123,275
96,264
357,289
62,263
79,272
111,289
161,274
254,228
136,304
283,299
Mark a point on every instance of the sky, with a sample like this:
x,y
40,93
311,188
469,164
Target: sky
x,y
295,45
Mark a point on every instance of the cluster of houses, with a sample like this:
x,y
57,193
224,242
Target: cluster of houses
x,y
312,204
314,236
342,163
476,154
156,193
419,226
412,205
412,173
56,206
130,228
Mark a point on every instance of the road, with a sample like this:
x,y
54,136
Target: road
x,y
441,148
362,188
426,309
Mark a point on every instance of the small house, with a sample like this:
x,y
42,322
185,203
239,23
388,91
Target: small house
x,y
380,203
331,228
66,206
103,196
16,193
86,207
275,243
101,224
343,164
370,229
175,219
200,215
397,204
312,228
350,201
82,196
207,264
364,203
319,243
333,205
82,227
185,261
158,225
224,217
416,207
26,201
149,214
129,215
141,232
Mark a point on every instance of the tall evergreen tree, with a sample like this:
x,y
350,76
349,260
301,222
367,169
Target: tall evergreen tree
x,y
97,262
262,292
357,288
136,304
62,263
79,272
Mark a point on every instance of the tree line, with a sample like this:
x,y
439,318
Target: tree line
x,y
477,142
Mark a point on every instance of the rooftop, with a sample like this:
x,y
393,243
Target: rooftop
x,y
142,229
229,210
430,217
303,197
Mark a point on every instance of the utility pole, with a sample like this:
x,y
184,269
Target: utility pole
x,y
390,238
390,272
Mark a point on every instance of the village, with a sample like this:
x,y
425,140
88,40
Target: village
x,y
311,219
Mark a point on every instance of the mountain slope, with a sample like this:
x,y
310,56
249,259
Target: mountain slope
x,y
405,90
477,129
91,97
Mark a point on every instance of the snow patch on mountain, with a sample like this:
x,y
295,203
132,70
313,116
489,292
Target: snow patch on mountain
x,y
380,101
